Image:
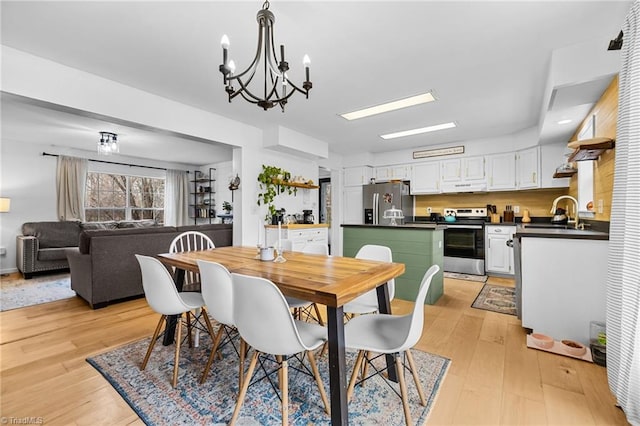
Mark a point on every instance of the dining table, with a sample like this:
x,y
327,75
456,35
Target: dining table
x,y
332,281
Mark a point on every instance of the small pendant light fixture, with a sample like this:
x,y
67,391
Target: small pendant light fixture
x,y
108,143
277,88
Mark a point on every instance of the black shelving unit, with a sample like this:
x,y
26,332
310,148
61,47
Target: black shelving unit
x,y
203,207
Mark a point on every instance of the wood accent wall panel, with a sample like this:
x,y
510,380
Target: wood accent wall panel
x,y
606,112
538,201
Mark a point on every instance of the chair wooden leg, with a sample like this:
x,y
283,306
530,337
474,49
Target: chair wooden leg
x,y
279,360
416,378
153,341
245,385
354,375
189,329
243,352
284,390
365,366
174,382
316,374
403,391
196,338
320,321
212,355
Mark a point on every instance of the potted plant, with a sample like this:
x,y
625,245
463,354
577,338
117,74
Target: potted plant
x,y
273,181
227,207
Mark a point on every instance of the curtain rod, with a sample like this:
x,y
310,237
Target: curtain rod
x,y
113,162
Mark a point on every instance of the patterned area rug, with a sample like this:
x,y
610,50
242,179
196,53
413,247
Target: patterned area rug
x,y
496,298
150,394
466,277
43,289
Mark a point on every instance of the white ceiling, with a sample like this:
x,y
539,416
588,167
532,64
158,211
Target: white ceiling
x,y
486,61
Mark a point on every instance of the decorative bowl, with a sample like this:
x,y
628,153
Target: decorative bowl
x,y
573,348
541,340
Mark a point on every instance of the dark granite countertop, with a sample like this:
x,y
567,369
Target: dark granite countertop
x,y
560,232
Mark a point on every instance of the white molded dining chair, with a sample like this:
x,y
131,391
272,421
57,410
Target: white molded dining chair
x,y
264,321
191,241
315,248
390,334
163,297
217,293
368,302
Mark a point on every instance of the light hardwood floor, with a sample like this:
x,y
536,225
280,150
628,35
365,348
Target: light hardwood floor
x,y
493,378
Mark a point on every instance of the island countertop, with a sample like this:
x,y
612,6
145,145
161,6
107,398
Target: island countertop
x,y
299,225
404,226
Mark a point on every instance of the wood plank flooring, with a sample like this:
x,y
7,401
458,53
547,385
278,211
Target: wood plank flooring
x,y
494,378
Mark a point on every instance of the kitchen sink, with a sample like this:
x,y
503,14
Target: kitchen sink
x,y
546,226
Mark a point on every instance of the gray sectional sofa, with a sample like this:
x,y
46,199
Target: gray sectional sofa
x,y
104,268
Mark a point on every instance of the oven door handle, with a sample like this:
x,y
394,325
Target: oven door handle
x,y
465,226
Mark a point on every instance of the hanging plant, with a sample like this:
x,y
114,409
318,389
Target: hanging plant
x,y
273,181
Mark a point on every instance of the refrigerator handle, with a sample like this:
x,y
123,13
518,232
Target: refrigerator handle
x,y
375,208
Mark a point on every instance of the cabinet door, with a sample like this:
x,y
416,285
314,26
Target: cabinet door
x,y
450,170
352,203
402,172
501,171
498,254
357,176
473,168
425,178
528,168
382,174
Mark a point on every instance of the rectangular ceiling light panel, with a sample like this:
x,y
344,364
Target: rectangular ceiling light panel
x,y
390,106
412,132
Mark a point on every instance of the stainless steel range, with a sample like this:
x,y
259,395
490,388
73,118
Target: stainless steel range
x,y
464,240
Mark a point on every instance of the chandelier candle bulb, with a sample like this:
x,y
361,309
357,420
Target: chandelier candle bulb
x,y
306,62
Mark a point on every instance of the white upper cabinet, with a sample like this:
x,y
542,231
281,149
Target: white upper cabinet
x,y
451,170
462,169
357,176
397,172
425,178
528,168
473,168
501,172
463,175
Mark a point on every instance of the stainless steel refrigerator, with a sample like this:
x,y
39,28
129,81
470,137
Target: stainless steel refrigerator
x,y
379,197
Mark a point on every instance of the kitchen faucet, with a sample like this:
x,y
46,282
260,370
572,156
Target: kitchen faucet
x,y
575,202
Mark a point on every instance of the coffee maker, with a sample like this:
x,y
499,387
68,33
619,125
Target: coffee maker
x,y
308,216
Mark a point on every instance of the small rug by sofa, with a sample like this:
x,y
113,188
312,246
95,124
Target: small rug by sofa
x,y
40,289
466,277
496,298
151,396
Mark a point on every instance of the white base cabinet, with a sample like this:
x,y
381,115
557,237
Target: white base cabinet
x,y
299,236
499,255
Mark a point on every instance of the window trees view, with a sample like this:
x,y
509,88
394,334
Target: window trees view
x,y
121,197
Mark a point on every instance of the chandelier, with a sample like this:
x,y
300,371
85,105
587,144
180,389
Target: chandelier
x,y
277,88
108,143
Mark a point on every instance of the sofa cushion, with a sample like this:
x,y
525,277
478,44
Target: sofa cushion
x,y
111,224
145,223
53,253
53,234
86,236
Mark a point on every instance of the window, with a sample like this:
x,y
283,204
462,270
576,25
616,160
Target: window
x,y
120,197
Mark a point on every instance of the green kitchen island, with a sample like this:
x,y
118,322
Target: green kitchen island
x,y
418,246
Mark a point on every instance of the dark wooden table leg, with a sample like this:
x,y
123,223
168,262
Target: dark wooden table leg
x,y
384,307
337,367
170,330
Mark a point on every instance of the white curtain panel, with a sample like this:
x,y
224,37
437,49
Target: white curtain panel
x,y
71,180
176,198
623,281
